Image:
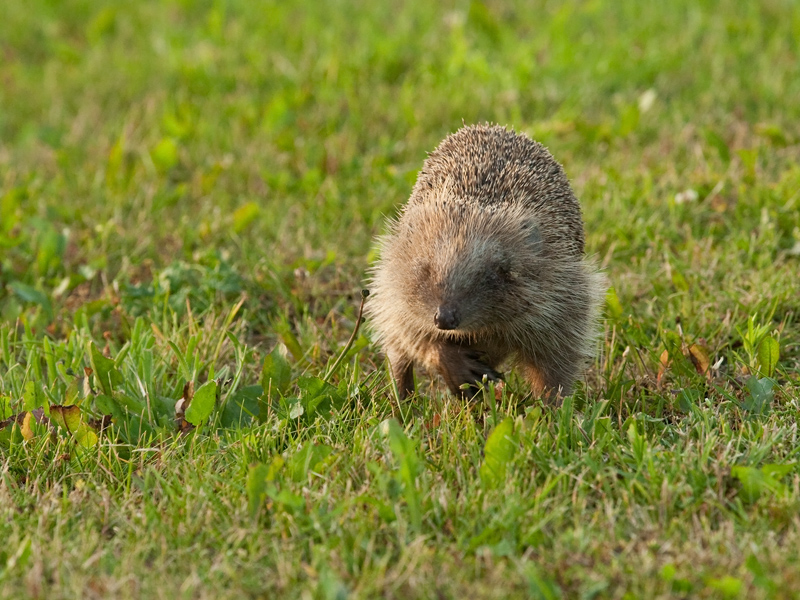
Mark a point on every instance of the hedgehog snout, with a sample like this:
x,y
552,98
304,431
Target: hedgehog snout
x,y
446,317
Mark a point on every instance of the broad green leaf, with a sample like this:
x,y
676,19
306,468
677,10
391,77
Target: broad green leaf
x,y
500,448
752,481
108,406
481,19
32,397
613,305
240,409
51,250
274,468
385,512
760,395
86,436
541,587
76,391
403,449
101,24
756,481
288,499
244,215
105,370
202,403
405,454
729,587
679,281
309,458
773,133
318,395
9,204
637,441
130,404
30,294
777,471
276,374
761,577
768,354
165,154
69,418
290,340
5,407
256,487
296,411
720,145
260,478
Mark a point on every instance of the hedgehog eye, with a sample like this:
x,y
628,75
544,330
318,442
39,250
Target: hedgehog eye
x,y
502,274
507,274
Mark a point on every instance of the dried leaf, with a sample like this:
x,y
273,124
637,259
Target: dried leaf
x,y
663,364
100,424
434,422
25,421
25,428
66,417
700,358
87,381
188,391
180,408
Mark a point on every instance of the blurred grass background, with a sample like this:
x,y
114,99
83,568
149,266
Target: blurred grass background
x,y
163,161
278,135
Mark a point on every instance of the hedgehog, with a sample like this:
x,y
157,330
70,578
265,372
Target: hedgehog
x,y
485,267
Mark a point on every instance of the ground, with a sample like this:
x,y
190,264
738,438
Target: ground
x,y
189,197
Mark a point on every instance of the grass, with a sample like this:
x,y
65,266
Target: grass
x,y
188,198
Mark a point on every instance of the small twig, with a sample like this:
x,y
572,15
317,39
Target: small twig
x,y
359,319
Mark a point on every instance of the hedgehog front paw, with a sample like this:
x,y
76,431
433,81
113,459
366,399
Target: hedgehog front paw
x,y
479,369
459,366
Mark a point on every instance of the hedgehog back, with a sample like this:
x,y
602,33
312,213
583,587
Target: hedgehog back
x,y
492,166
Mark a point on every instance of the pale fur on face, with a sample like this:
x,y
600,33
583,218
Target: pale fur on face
x,y
481,260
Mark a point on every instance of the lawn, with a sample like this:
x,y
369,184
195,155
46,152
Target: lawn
x,y
189,197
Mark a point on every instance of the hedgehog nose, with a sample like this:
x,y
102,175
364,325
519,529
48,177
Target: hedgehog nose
x,y
446,318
